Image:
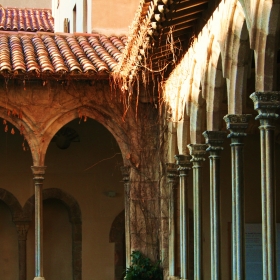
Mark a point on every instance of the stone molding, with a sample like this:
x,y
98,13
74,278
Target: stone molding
x,y
172,173
183,163
237,125
266,103
214,139
197,151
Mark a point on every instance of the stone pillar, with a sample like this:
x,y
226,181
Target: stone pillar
x,y
38,176
215,140
183,162
267,104
172,175
237,125
197,151
22,229
126,180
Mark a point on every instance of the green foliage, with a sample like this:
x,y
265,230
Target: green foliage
x,y
143,268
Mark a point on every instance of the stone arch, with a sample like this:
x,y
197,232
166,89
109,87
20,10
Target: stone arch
x,y
75,217
183,132
214,91
10,200
197,120
105,119
117,233
236,60
264,40
22,124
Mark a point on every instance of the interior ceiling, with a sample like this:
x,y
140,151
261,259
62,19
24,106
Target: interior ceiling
x,y
184,19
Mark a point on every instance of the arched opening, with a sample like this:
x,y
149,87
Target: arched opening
x,y
117,236
8,245
88,169
57,241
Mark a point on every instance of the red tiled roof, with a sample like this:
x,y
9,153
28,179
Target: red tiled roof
x,y
46,53
32,20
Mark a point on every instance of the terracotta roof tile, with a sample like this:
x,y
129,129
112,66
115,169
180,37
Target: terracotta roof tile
x,y
47,53
31,20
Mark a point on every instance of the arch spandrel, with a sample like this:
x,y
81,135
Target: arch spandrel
x,y
61,104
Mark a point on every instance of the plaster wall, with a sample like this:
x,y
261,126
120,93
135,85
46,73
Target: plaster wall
x,y
105,17
66,169
42,4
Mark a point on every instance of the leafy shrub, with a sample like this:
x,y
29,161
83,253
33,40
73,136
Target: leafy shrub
x,y
142,268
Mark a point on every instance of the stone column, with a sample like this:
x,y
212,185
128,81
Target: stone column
x,y
22,229
267,104
172,175
197,151
126,180
215,140
237,125
38,176
183,162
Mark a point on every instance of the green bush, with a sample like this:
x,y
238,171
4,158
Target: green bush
x,y
142,268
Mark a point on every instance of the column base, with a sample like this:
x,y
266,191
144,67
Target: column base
x,y
39,278
173,278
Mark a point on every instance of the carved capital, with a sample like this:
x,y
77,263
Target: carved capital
x,y
183,162
172,172
38,173
215,140
237,125
22,229
125,170
266,103
197,151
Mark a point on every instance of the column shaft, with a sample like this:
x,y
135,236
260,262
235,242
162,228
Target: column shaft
x,y
126,179
197,151
183,162
172,175
215,139
267,104
38,173
237,124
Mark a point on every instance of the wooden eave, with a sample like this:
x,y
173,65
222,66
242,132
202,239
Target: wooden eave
x,y
166,21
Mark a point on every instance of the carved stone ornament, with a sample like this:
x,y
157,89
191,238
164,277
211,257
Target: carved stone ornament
x,y
182,160
237,125
215,139
172,172
125,173
266,103
38,173
197,151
